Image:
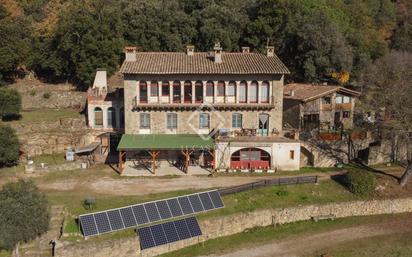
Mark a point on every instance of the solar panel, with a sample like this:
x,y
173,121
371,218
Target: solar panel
x,y
164,210
88,225
102,222
141,214
168,232
195,202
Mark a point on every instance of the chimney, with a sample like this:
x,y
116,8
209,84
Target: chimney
x,y
292,93
100,80
217,53
130,52
270,51
190,50
245,49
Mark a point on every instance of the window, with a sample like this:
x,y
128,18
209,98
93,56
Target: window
x,y
204,121
242,92
346,99
176,92
253,92
111,117
264,92
231,89
326,100
209,88
172,121
236,120
339,98
346,114
292,154
221,88
154,88
145,120
98,117
165,89
143,91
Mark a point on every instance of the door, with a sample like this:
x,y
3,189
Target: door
x,y
263,124
337,121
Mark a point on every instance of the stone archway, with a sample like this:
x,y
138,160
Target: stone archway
x,y
250,158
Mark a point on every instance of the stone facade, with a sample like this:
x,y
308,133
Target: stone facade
x,y
237,223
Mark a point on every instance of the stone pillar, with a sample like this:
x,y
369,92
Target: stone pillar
x,y
170,92
182,92
204,90
237,92
148,91
193,92
137,88
214,91
105,125
259,100
271,93
248,91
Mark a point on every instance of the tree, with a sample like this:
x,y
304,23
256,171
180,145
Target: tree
x,y
10,102
24,213
88,36
9,146
387,89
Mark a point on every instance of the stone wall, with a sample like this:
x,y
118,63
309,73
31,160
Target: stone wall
x,y
236,223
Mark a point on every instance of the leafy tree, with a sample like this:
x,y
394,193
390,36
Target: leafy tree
x,y
14,44
9,147
24,213
387,89
88,36
10,102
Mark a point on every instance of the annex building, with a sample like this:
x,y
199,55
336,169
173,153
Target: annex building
x,y
214,110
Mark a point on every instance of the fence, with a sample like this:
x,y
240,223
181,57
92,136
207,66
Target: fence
x,y
269,182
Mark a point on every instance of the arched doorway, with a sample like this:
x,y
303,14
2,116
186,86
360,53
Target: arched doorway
x,y
250,158
98,117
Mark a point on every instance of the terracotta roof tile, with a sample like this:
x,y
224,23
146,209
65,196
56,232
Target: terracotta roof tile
x,y
200,63
307,92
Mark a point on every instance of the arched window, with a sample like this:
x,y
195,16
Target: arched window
x,y
250,158
231,89
143,91
199,92
209,88
177,94
98,117
243,91
154,88
264,92
165,88
220,88
253,97
111,117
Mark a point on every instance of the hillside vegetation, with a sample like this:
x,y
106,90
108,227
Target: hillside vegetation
x,y
318,40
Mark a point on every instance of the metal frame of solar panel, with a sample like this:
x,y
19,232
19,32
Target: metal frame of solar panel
x,y
168,232
98,223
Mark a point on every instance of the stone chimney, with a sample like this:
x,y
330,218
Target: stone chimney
x,y
217,53
245,49
270,51
100,81
190,50
130,52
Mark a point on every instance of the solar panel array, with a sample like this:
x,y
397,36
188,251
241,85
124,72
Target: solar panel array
x,y
145,213
168,232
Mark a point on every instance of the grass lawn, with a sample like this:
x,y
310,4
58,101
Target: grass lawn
x,y
40,115
398,245
256,236
51,159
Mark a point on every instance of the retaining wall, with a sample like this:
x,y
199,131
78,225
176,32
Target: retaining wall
x,y
232,224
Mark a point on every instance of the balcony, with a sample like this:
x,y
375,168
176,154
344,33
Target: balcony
x,y
226,102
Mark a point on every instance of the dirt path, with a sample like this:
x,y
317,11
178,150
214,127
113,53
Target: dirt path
x,y
142,186
298,246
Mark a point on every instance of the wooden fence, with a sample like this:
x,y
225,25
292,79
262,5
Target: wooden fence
x,y
269,182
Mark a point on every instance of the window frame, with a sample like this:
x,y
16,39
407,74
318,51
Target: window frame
x,y
235,120
202,124
165,86
220,85
170,126
154,88
148,121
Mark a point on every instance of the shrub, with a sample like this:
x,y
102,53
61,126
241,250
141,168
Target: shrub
x,y
24,213
46,95
32,92
10,102
360,182
282,193
9,146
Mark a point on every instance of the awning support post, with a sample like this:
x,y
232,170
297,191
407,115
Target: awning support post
x,y
154,155
187,154
213,154
121,155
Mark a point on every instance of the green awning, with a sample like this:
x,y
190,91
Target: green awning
x,y
165,142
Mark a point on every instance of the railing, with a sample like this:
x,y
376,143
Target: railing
x,y
269,182
249,164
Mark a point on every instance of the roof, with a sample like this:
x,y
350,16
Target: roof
x,y
164,142
257,139
200,63
87,148
308,92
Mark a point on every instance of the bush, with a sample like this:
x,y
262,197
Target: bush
x,y
24,213
32,92
10,102
9,146
282,193
46,95
360,182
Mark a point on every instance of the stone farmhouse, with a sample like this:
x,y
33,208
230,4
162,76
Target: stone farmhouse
x,y
214,110
309,107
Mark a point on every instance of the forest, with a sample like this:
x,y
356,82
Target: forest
x,y
318,40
